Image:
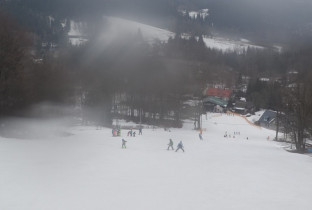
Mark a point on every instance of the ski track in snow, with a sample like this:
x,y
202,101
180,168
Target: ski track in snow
x,y
89,170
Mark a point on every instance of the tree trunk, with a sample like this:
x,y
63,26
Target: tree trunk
x,y
300,147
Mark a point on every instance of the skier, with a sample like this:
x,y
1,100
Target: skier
x,y
170,144
140,131
180,146
123,144
134,134
200,136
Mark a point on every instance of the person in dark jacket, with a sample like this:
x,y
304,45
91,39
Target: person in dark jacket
x,y
170,144
123,146
180,146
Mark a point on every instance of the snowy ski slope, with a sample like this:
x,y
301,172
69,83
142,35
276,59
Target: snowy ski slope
x,y
118,25
89,170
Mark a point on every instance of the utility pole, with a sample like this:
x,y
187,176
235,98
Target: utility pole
x,y
277,125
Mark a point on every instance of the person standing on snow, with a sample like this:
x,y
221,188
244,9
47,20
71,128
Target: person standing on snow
x,y
200,136
123,144
180,146
140,131
170,144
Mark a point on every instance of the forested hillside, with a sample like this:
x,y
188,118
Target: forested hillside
x,y
129,77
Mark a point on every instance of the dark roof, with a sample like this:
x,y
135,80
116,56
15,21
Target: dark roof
x,y
215,100
267,116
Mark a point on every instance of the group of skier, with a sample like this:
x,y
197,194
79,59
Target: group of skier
x,y
226,135
179,146
133,133
116,132
170,145
130,133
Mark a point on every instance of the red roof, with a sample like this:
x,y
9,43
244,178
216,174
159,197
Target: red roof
x,y
221,93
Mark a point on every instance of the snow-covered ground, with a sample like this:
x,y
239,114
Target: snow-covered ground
x,y
203,13
122,26
89,170
227,45
116,26
76,33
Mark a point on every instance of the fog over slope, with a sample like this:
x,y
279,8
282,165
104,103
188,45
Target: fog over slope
x,y
264,21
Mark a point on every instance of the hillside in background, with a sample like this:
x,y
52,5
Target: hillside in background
x,y
264,22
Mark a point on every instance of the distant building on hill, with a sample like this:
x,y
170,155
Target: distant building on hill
x,y
268,119
216,99
223,94
240,106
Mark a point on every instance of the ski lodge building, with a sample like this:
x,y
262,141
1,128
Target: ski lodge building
x,y
216,99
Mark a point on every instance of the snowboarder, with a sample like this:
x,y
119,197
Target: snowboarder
x,y
123,144
170,144
180,146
